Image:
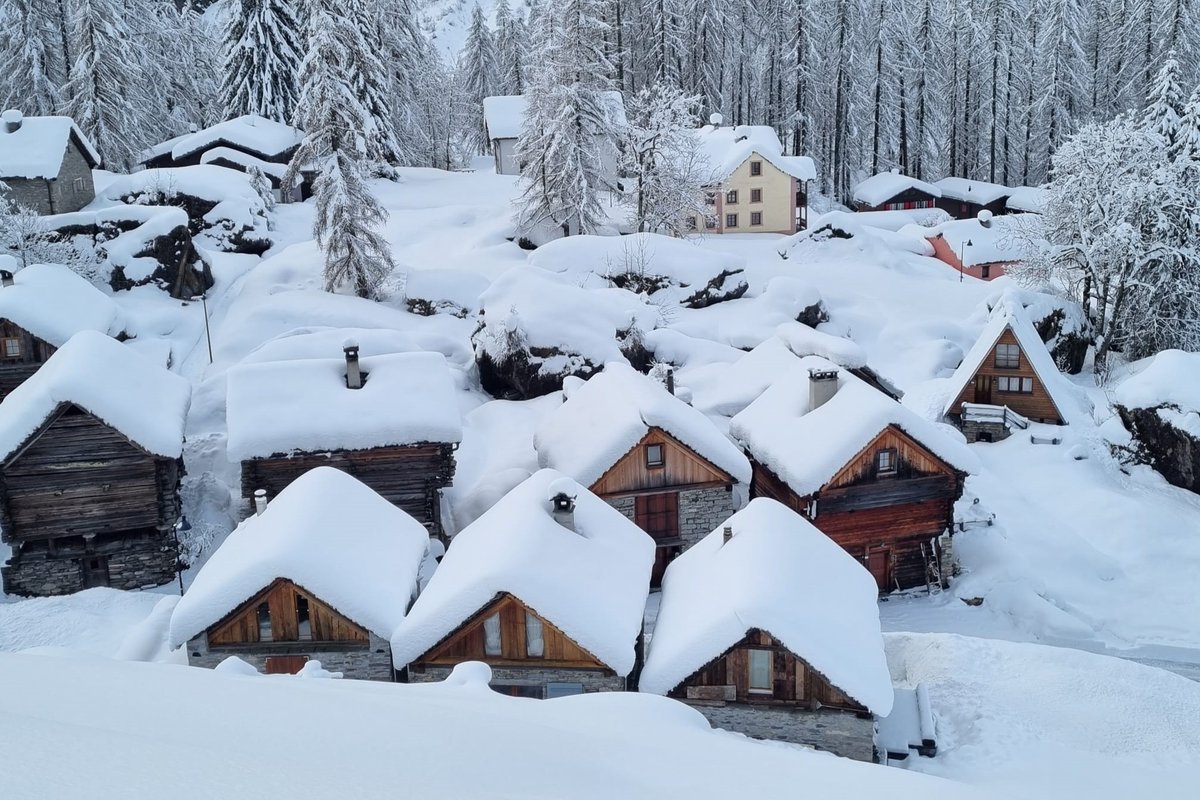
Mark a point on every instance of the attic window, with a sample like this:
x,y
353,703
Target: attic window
x,y
264,622
885,461
1008,356
535,645
303,622
656,457
761,681
756,168
12,348
491,635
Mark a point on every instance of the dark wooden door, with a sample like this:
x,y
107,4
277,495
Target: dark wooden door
x,y
285,665
879,563
983,389
95,571
658,515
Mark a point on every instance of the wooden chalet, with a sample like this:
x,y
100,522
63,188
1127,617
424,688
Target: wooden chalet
x,y
656,459
964,199
518,590
1007,379
324,572
391,421
41,307
874,477
891,191
90,469
744,634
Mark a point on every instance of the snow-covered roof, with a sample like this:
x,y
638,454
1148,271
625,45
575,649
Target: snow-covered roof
x,y
330,534
807,447
779,574
607,416
144,402
1026,198
969,191
36,149
249,132
304,405
1000,240
878,189
1009,314
244,160
504,115
54,303
726,148
591,582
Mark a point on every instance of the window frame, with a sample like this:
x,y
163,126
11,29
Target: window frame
x,y
731,197
756,196
692,223
1011,358
751,654
488,648
661,462
11,342
756,220
1014,384
532,622
731,220
890,454
755,168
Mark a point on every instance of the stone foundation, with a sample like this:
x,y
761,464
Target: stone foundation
x,y
593,680
701,511
841,732
370,663
134,562
985,431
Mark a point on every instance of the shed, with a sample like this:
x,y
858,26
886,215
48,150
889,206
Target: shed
x,y
46,163
548,587
504,116
249,134
391,420
891,191
963,198
325,571
90,468
767,625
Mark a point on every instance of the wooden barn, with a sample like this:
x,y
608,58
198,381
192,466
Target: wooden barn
x,y
891,191
964,199
392,421
1006,380
518,590
41,307
746,634
46,163
324,572
90,467
870,474
653,457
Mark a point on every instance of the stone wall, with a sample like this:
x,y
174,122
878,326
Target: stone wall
x,y
593,680
133,563
840,732
371,663
701,511
31,193
985,431
56,196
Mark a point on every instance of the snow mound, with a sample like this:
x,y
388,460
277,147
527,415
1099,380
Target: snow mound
x,y
779,574
126,391
235,202
54,303
591,582
326,532
747,322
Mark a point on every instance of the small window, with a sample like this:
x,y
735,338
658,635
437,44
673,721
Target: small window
x,y
731,220
755,218
264,622
655,456
491,635
303,623
710,223
710,198
985,271
1008,356
885,461
756,168
531,690
535,646
77,185
12,348
1014,384
562,689
691,223
731,196
756,195
760,672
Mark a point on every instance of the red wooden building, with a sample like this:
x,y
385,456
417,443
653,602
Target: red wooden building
x,y
891,191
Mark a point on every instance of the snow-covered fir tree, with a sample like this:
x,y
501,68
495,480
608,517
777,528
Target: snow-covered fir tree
x,y
262,51
1187,138
1164,106
511,41
663,160
32,67
477,72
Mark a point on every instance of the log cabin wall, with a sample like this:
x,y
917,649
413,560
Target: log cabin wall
x,y
984,387
409,477
681,468
31,353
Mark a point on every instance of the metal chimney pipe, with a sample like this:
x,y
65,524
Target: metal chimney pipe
x,y
727,534
353,372
260,502
671,381
822,385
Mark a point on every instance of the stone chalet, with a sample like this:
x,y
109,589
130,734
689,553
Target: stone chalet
x,y
548,587
654,458
324,572
770,629
46,163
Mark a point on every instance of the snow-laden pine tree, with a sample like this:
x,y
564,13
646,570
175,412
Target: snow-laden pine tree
x,y
107,93
510,43
1187,138
477,72
569,125
371,76
663,158
31,65
262,51
1164,106
336,122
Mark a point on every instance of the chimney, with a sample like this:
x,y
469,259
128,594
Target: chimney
x,y
726,535
353,373
985,217
671,381
6,278
822,385
564,510
260,502
716,120
12,120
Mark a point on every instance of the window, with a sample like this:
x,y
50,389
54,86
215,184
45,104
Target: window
x,y
710,223
303,624
1006,383
885,461
561,689
533,690
77,185
491,635
760,672
655,456
756,195
710,198
756,168
12,348
1008,356
264,622
95,571
535,645
691,223
985,271
731,196
731,220
756,218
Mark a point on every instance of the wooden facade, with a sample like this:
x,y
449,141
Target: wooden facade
x,y
907,200
21,355
469,642
284,612
410,477
887,519
992,384
791,680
